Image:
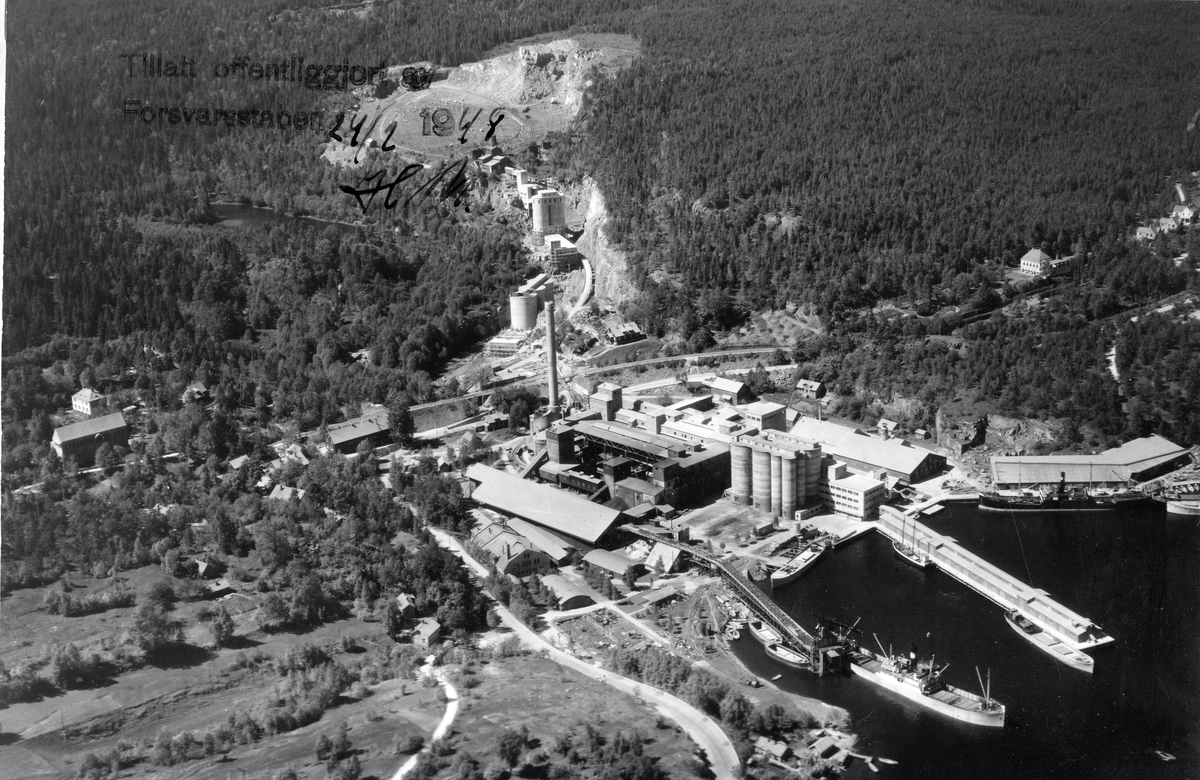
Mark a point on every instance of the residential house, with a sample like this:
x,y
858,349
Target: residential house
x,y
809,388
1145,233
427,633
1183,213
87,401
195,392
1168,224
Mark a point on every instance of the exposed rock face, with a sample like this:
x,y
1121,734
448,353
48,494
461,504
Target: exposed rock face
x,y
612,283
554,72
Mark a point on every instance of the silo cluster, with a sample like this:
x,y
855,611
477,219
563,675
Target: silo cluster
x,y
774,472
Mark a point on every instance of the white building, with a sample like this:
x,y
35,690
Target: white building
x,y
854,495
1035,262
86,401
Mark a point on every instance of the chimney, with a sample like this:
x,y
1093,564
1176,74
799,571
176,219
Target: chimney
x,y
552,358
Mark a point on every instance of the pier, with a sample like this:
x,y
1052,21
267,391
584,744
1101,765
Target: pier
x,y
794,636
1069,627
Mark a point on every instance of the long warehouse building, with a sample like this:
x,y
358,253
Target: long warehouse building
x,y
558,510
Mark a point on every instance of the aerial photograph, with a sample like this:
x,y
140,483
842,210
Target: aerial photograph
x,y
600,389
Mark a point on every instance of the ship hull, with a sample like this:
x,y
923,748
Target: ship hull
x,y
1057,650
917,560
1188,508
947,702
797,566
764,633
1067,503
786,656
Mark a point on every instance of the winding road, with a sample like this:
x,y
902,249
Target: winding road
x,y
703,730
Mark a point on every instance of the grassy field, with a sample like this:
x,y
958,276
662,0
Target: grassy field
x,y
552,701
193,689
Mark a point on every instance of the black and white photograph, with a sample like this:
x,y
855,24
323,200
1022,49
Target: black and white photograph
x,y
600,390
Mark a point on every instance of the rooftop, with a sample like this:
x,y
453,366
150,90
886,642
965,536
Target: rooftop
x,y
358,428
547,506
92,427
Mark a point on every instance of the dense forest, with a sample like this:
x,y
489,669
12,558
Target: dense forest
x,y
834,155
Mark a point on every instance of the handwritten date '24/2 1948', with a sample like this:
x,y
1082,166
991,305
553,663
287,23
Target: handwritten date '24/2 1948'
x,y
441,122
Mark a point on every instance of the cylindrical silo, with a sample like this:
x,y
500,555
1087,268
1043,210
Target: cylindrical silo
x,y
523,310
776,485
739,459
813,473
789,489
762,480
541,214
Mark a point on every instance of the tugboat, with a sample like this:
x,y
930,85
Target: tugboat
x,y
1063,500
922,683
1048,644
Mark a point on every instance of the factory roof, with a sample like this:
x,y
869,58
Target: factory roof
x,y
762,408
94,427
860,482
548,506
885,454
547,541
651,444
1120,464
823,430
563,589
640,486
610,561
774,440
726,385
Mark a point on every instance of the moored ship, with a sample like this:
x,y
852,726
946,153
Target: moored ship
x,y
1063,499
1186,504
787,656
922,684
1048,644
764,633
796,566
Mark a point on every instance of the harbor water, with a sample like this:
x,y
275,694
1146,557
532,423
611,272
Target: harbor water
x,y
1136,575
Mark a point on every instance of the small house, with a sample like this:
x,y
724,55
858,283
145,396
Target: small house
x,y
407,606
772,748
1145,233
811,389
427,633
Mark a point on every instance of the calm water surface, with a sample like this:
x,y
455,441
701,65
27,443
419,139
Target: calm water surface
x,y
1136,575
238,215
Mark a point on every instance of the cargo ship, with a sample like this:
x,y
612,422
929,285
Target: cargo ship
x,y
796,566
922,684
1046,643
1064,500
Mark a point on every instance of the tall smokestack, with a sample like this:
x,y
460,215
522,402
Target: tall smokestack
x,y
552,357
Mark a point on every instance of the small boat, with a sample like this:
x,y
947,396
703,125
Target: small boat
x,y
796,566
1034,634
787,656
1186,506
764,633
776,677
1164,755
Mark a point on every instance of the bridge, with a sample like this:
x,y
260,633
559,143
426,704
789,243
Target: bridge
x,y
794,636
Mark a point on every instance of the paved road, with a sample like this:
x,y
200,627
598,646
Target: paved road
x,y
703,730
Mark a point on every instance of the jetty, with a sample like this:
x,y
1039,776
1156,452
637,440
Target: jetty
x,y
1071,628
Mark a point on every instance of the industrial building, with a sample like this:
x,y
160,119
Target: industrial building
x,y
568,594
560,511
902,462
856,495
528,300
548,210
79,441
560,254
505,344
774,472
1135,461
